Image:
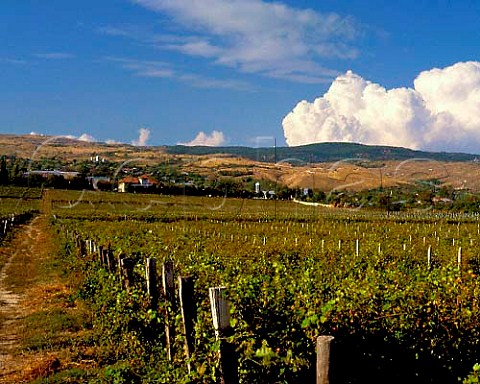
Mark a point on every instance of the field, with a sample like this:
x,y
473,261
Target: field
x,y
398,292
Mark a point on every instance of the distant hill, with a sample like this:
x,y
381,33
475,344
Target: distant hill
x,y
27,145
321,152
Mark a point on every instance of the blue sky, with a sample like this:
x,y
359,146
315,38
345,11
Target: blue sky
x,y
108,68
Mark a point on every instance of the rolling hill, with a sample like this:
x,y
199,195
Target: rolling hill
x,y
322,152
323,166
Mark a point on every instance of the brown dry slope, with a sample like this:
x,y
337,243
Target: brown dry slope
x,y
21,294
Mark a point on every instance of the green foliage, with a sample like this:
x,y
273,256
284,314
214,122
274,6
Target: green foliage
x,y
474,376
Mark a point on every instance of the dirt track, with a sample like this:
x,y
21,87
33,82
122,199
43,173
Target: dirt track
x,y
16,271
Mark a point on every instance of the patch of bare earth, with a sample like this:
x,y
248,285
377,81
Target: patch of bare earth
x,y
28,289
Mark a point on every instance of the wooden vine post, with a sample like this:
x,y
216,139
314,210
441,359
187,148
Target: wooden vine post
x,y
152,279
169,295
228,364
189,314
429,257
110,261
126,270
104,258
89,246
81,246
323,359
119,257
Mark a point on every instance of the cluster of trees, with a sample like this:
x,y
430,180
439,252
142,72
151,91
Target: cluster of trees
x,y
18,171
404,198
11,170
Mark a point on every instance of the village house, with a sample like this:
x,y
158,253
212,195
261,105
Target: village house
x,y
133,183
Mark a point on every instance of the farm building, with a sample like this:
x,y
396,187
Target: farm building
x,y
132,183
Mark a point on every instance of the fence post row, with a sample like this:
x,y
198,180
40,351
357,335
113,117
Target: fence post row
x,y
227,356
186,293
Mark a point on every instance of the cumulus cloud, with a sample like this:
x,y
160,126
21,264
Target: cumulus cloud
x,y
143,136
87,138
255,36
441,112
215,139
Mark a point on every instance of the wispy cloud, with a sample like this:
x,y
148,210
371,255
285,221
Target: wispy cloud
x,y
255,36
215,139
9,60
160,69
145,68
54,55
115,31
207,82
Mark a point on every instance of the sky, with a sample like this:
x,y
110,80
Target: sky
x,y
243,72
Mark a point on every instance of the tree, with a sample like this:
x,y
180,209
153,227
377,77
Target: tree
x,y
3,171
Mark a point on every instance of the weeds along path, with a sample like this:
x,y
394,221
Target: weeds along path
x,y
20,260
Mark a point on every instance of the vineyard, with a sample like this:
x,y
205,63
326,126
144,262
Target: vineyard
x,y
398,291
17,205
17,200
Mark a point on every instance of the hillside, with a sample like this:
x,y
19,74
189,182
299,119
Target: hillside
x,y
324,166
322,152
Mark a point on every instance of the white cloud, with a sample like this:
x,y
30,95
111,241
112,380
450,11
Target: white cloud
x,y
87,138
256,36
111,141
215,139
440,113
143,136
